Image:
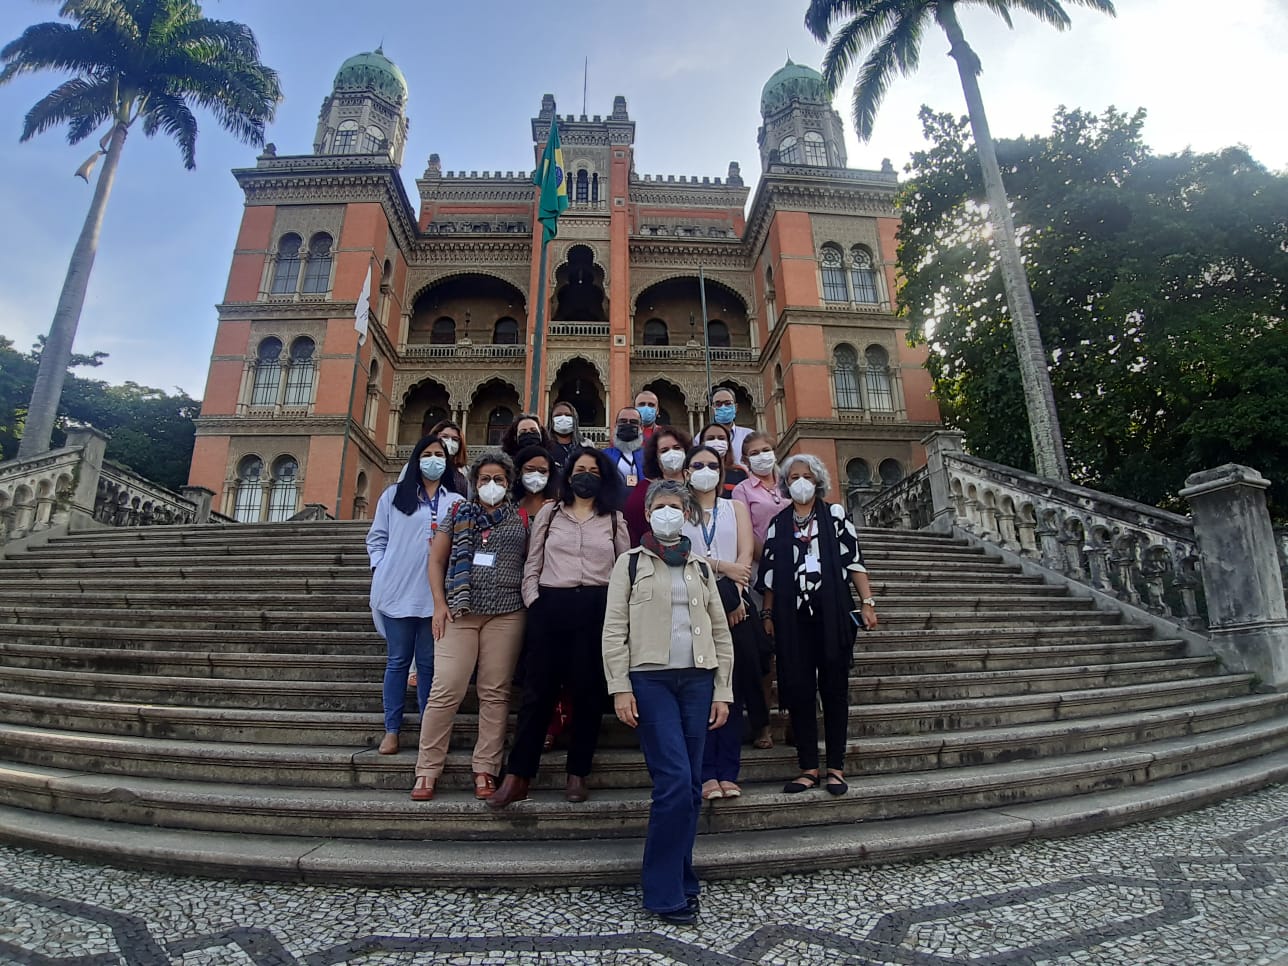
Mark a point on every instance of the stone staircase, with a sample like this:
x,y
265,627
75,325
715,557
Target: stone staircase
x,y
207,700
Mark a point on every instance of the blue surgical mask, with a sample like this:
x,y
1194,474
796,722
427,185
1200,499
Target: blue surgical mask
x,y
432,467
726,414
648,414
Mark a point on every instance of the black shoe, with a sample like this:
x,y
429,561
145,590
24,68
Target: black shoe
x,y
693,903
679,917
836,784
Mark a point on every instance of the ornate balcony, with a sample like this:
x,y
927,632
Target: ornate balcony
x,y
464,352
578,330
694,354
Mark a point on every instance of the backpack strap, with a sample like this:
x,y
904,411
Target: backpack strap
x,y
632,567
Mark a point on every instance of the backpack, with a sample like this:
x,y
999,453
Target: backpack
x,y
633,566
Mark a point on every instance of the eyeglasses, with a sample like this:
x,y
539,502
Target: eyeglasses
x,y
698,465
493,479
628,422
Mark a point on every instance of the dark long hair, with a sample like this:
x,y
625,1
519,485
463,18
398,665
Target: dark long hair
x,y
510,441
728,460
612,491
518,491
720,462
405,498
652,468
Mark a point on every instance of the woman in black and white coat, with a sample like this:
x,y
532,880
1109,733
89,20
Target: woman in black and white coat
x,y
810,561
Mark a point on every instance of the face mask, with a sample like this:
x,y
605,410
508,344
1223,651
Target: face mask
x,y
586,485
528,438
432,467
627,433
717,446
535,482
726,414
802,490
666,522
648,414
491,493
672,460
562,424
453,446
762,464
704,480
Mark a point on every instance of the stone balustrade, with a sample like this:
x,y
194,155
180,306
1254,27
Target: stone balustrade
x,y
125,499
694,353
463,351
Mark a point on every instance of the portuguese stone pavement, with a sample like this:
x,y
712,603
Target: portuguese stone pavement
x,y
1210,887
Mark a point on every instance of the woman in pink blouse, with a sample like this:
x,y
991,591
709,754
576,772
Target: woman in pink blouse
x,y
573,545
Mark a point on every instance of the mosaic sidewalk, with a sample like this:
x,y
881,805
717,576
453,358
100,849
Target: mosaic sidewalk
x,y
1210,887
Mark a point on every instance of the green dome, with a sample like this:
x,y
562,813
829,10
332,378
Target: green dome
x,y
372,71
789,81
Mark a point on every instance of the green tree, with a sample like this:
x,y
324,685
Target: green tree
x,y
1161,283
146,61
887,35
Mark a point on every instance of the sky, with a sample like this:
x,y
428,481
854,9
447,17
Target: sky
x,y
691,73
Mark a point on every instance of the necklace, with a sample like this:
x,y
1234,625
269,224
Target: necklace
x,y
709,536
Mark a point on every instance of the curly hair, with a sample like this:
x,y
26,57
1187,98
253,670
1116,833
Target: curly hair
x,y
659,488
652,468
612,490
492,457
822,479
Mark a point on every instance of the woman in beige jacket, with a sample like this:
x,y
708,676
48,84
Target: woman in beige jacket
x,y
668,661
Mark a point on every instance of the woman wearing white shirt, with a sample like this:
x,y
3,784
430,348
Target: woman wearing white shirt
x,y
407,516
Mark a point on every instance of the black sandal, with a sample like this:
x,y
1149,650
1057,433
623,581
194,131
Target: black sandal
x,y
804,783
836,783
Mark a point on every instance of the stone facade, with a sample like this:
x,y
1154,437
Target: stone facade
x,y
799,282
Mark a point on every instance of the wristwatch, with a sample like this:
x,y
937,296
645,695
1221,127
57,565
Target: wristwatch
x,y
868,602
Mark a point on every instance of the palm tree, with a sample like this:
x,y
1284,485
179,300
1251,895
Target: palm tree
x,y
131,60
889,32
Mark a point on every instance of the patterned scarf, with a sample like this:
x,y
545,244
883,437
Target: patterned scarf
x,y
467,522
673,555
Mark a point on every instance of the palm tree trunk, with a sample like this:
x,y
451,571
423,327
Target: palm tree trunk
x,y
1044,421
57,354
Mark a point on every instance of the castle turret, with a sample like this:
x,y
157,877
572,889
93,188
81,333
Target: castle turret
x,y
365,113
800,126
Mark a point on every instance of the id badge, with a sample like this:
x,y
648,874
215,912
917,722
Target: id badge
x,y
812,565
484,559
632,480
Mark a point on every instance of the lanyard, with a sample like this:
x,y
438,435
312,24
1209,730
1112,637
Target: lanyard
x,y
433,507
708,537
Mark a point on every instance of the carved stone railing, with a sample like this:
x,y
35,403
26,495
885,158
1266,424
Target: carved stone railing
x,y
578,330
1220,571
125,499
693,353
464,351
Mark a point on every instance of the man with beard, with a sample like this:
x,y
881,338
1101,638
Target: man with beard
x,y
627,449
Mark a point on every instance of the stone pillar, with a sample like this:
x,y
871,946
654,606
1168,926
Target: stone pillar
x,y
202,497
93,444
939,446
1247,615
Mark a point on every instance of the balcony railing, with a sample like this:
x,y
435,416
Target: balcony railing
x,y
464,351
692,353
579,330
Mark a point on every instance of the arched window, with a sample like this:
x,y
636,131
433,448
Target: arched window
x,y
373,141
656,333
789,150
498,421
833,274
717,334
373,397
780,402
443,332
594,187
845,375
880,396
890,471
863,277
770,313
299,376
317,273
268,373
583,185
859,474
286,273
346,137
282,494
249,501
815,149
505,332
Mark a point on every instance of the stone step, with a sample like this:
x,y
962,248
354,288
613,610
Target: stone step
x,y
616,765
367,667
378,813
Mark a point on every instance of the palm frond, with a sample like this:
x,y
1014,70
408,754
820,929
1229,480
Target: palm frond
x,y
1101,6
83,104
855,36
898,52
170,115
1003,9
54,46
821,14
1048,11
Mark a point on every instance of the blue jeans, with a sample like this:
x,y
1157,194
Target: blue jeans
x,y
405,637
722,757
674,706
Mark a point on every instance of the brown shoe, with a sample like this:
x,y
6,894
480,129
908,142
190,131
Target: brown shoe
x,y
513,789
576,790
423,790
484,785
388,744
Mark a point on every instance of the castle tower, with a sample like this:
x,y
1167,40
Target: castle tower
x,y
800,126
365,111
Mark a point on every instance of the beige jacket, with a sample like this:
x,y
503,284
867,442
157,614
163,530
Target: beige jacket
x,y
637,623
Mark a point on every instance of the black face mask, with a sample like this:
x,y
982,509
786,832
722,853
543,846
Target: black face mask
x,y
627,433
586,485
528,438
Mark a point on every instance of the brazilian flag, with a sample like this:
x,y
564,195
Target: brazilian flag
x,y
554,186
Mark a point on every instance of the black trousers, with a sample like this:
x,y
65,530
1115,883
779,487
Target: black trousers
x,y
801,674
565,649
748,682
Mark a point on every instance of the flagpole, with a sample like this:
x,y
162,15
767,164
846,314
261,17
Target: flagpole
x,y
348,413
706,332
538,376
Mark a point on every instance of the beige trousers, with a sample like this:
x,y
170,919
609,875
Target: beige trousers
x,y
491,642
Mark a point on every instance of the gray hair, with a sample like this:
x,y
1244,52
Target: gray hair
x,y
495,456
822,478
660,488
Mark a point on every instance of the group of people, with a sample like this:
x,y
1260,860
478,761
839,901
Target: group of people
x,y
665,571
